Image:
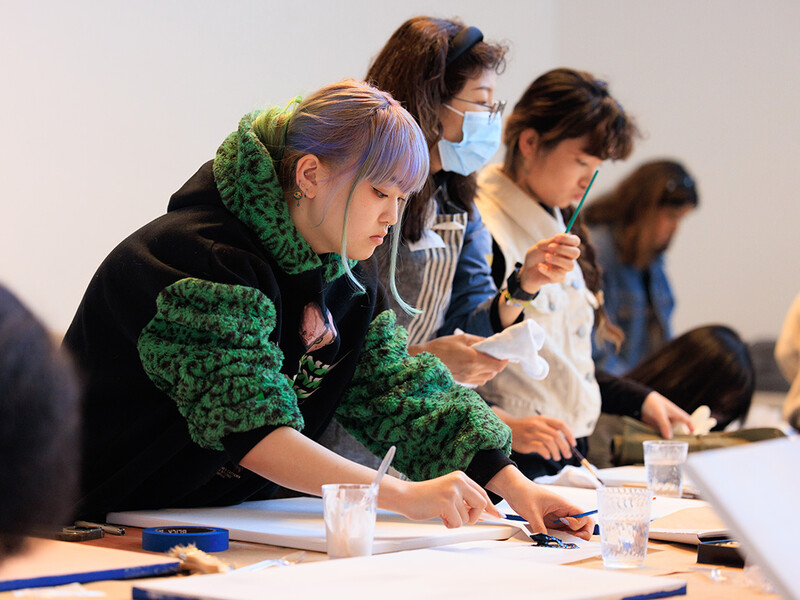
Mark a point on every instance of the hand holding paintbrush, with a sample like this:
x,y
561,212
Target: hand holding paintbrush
x,y
587,465
549,261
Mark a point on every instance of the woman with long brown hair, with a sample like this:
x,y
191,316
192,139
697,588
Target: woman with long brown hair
x,y
444,74
631,228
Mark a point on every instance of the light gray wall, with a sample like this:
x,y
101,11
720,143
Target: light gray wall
x,y
717,85
107,107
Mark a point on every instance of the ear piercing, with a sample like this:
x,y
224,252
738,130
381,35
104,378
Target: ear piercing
x,y
299,194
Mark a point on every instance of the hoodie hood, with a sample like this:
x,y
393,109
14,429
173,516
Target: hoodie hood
x,y
245,175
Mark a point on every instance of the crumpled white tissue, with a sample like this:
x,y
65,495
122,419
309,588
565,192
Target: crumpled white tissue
x,y
571,476
702,421
519,343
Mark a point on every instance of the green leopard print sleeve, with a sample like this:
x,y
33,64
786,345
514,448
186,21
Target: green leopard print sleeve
x,y
413,403
208,348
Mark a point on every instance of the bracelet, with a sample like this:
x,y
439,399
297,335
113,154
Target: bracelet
x,y
515,291
514,301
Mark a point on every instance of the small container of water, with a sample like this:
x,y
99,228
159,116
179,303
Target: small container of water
x,y
624,519
663,461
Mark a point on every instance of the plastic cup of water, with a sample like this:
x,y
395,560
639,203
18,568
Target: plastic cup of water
x,y
663,461
624,519
349,510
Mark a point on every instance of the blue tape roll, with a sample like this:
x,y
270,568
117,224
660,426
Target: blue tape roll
x,y
161,539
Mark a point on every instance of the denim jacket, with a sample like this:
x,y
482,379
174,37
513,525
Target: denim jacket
x,y
446,274
628,300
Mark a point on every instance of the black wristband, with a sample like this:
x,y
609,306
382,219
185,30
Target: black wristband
x,y
514,289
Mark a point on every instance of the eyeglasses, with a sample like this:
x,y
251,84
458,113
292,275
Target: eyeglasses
x,y
494,109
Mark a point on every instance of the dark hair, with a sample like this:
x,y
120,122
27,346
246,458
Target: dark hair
x,y
708,365
655,184
412,67
38,428
564,104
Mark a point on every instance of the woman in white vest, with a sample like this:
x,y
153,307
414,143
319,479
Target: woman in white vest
x,y
562,129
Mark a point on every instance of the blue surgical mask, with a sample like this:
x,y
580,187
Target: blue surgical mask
x,y
482,131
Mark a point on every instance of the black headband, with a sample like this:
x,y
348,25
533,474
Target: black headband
x,y
463,41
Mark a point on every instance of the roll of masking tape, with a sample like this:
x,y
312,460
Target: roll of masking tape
x,y
207,539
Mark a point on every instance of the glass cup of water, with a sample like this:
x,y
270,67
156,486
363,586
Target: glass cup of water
x,y
663,461
624,519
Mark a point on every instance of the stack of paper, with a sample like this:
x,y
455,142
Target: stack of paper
x,y
419,574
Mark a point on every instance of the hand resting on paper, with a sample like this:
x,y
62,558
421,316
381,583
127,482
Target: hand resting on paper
x,y
465,363
454,498
536,433
538,505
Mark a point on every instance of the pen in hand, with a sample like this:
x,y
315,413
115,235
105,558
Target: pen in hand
x,y
578,516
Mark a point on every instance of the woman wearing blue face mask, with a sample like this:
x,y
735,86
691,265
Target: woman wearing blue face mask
x,y
444,74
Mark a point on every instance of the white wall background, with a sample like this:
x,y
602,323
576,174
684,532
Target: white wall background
x,y
717,85
107,107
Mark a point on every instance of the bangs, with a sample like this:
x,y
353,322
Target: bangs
x,y
396,153
611,135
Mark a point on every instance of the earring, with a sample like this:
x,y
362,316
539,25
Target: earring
x,y
298,195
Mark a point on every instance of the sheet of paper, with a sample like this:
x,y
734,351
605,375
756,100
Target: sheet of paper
x,y
419,574
684,526
298,523
515,549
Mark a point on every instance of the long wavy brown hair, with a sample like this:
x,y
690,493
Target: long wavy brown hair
x,y
563,104
412,68
631,205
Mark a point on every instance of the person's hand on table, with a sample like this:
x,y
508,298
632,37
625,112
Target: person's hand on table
x,y
538,505
454,498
